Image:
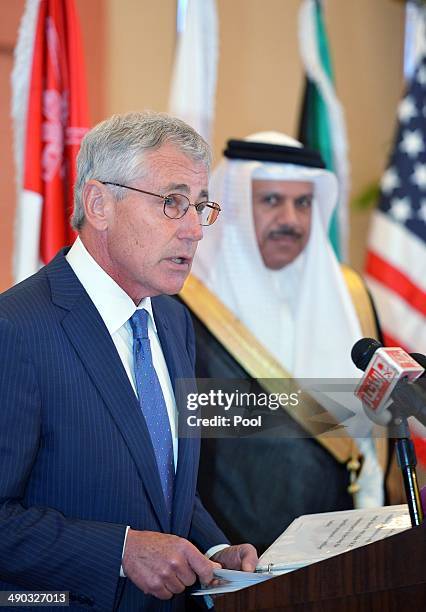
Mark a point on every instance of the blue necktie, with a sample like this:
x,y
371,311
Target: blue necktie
x,y
152,403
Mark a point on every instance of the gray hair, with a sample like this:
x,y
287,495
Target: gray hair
x,y
113,150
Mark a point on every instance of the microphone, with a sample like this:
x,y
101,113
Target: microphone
x,y
413,393
421,359
385,369
385,390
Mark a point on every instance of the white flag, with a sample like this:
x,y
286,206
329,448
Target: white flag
x,y
193,86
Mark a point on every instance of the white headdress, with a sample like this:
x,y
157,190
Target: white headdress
x,y
303,313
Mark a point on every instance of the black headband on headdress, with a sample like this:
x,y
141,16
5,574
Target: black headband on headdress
x,y
282,154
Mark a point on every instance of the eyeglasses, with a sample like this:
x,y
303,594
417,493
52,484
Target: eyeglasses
x,y
175,205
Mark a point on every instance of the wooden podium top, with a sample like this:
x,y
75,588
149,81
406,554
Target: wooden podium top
x,y
386,576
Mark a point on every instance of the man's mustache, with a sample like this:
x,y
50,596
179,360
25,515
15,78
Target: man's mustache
x,y
285,230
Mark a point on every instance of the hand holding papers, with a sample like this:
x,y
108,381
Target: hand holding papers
x,y
232,580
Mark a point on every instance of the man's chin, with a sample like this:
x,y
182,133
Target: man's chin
x,y
278,254
277,262
174,286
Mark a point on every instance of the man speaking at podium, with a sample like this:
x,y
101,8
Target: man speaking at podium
x,y
97,495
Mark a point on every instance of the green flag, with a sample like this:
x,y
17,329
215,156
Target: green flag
x,y
321,122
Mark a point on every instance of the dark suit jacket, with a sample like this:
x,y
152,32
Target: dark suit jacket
x,y
76,460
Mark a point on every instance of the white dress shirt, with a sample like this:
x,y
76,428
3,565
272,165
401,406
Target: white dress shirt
x,y
116,308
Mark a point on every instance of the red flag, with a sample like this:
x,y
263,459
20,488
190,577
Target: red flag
x,y
56,119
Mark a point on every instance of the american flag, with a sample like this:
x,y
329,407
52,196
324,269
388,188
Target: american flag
x,y
396,258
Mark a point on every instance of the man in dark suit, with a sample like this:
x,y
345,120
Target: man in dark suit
x,y
97,494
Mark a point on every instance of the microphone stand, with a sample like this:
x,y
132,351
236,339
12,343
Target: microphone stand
x,y
407,461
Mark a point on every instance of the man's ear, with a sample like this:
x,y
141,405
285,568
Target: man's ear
x,y
96,198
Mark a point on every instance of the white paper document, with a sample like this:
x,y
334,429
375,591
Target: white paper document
x,y
315,537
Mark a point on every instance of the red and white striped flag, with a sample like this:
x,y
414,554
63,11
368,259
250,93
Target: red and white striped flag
x,y
396,258
50,118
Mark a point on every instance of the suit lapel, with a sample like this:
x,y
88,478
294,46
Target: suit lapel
x,y
94,346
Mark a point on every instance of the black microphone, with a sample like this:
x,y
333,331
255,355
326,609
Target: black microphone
x,y
387,370
421,359
412,394
389,395
363,350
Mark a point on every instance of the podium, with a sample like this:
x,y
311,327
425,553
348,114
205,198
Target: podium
x,y
386,576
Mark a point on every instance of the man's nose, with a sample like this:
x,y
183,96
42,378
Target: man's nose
x,y
287,213
190,225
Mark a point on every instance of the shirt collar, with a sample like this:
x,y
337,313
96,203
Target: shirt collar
x,y
111,301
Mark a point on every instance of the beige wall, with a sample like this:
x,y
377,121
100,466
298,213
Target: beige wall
x,y
367,39
129,48
139,56
260,77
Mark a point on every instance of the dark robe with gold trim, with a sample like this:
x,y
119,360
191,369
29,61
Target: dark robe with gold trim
x,y
255,486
